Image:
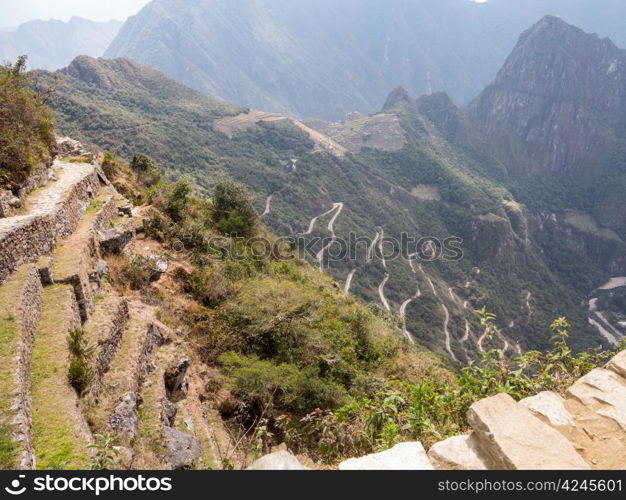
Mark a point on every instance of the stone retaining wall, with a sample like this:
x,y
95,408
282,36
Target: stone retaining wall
x,y
107,347
27,319
36,235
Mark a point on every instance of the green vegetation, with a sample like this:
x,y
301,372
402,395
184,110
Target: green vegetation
x,y
433,410
26,137
105,454
58,429
233,213
79,372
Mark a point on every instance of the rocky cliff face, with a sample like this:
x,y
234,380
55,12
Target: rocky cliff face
x,y
557,101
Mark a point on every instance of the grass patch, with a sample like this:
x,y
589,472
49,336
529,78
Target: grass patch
x,y
56,428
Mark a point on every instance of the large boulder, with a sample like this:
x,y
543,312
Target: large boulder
x,y
174,378
113,241
183,450
279,460
66,146
123,419
456,453
403,456
511,438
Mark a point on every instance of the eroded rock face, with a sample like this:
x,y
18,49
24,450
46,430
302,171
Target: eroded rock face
x,y
511,438
279,460
403,456
183,450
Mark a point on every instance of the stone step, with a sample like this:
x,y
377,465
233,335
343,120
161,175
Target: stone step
x,y
74,258
61,436
115,410
598,403
53,213
20,300
103,330
403,456
510,437
457,453
550,408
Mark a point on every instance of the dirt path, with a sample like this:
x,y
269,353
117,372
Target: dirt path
x,y
381,292
338,208
314,220
370,250
446,323
346,289
380,247
268,203
403,307
530,309
43,201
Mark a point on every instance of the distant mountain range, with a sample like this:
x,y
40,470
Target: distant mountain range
x,y
325,58
53,44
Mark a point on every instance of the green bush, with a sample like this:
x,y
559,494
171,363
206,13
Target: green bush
x,y
146,169
233,213
178,199
270,389
79,374
26,134
206,285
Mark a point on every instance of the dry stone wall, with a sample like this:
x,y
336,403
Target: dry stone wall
x,y
25,239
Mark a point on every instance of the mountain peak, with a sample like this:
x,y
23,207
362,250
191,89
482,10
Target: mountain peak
x,y
556,95
397,95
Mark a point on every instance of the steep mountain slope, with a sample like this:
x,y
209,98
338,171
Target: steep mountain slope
x,y
556,117
325,59
412,171
53,44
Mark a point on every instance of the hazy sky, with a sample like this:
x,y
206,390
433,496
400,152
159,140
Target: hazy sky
x,y
14,12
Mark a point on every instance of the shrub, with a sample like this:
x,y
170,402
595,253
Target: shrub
x,y
206,285
26,134
178,199
79,374
233,213
146,169
137,272
268,389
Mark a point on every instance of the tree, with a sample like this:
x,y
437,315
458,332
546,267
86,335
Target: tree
x,y
178,198
146,169
233,213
